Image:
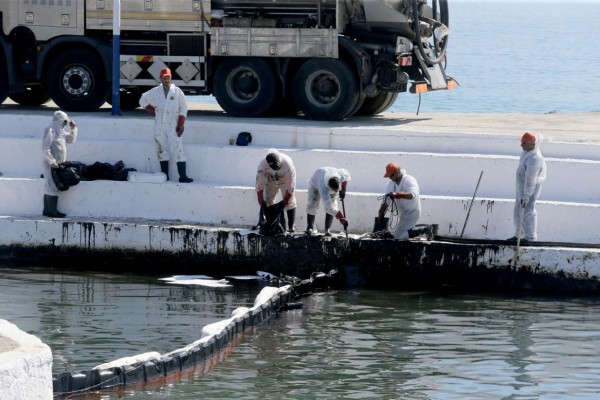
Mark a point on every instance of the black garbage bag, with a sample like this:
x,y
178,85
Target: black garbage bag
x,y
273,222
107,171
67,174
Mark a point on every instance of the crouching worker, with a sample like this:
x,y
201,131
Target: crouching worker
x,y
324,185
276,173
54,152
402,196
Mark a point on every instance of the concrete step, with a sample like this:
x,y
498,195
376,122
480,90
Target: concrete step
x,y
207,204
438,174
458,135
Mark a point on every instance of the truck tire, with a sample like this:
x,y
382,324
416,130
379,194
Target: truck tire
x,y
32,96
326,89
245,88
3,78
76,81
377,104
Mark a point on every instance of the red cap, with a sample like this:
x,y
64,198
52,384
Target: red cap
x,y
528,137
165,72
390,169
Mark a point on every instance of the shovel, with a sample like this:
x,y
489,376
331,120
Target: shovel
x,y
344,210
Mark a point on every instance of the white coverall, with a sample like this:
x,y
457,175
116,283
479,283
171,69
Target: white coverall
x,y
54,148
168,109
409,209
271,181
531,173
317,188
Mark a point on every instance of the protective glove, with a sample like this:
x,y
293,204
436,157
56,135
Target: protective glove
x,y
342,219
151,110
261,200
180,122
286,198
343,191
524,202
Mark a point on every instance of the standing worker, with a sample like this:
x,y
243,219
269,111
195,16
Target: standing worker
x,y
324,185
402,192
166,103
276,173
54,152
531,173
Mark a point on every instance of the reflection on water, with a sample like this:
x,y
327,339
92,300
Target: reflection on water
x,y
350,344
91,318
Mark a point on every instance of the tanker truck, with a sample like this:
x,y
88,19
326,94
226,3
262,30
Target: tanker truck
x,y
324,59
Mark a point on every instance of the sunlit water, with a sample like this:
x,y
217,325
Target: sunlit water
x,y
349,344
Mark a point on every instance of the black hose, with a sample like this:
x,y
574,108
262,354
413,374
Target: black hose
x,y
439,52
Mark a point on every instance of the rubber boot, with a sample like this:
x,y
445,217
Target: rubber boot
x,y
45,212
183,178
50,204
328,223
164,167
310,223
291,216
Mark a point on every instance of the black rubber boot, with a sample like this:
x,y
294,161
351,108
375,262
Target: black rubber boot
x,y
183,178
164,167
328,223
291,216
45,212
310,223
50,204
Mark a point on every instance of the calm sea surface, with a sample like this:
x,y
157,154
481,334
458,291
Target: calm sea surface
x,y
516,56
353,344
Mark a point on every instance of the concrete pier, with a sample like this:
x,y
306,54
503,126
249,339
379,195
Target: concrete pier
x,y
201,222
25,365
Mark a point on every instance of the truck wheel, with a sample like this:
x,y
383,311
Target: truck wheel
x,y
326,89
245,88
76,81
32,96
3,78
377,104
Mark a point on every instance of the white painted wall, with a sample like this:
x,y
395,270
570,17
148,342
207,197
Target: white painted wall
x,y
224,175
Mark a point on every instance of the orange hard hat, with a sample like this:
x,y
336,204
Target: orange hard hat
x,y
390,169
165,72
528,137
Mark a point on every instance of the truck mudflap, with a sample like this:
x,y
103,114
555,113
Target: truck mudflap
x,y
435,77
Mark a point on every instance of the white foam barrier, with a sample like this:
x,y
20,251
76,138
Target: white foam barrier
x,y
143,367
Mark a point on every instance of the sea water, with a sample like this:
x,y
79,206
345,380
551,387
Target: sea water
x,y
351,344
515,56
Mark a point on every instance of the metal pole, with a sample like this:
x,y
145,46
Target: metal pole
x,y
471,205
116,64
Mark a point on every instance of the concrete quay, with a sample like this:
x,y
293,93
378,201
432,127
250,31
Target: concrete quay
x,y
25,365
204,221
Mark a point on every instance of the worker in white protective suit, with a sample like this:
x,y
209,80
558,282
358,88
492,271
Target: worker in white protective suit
x,y
276,173
54,152
402,195
325,184
531,173
166,103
